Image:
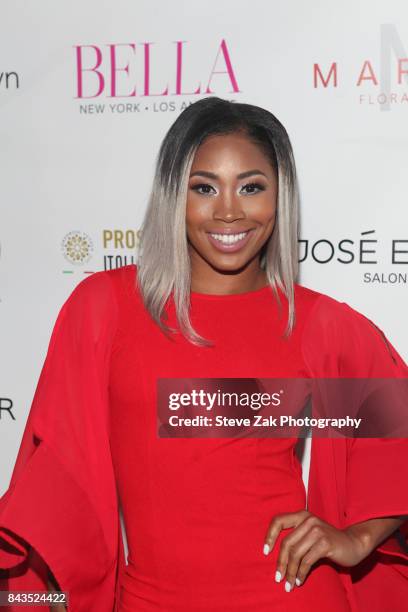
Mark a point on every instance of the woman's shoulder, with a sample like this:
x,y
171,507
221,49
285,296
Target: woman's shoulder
x,y
326,308
95,302
318,306
335,330
331,316
105,285
123,276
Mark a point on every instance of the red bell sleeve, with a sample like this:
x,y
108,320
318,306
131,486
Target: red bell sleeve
x,y
60,509
340,342
377,470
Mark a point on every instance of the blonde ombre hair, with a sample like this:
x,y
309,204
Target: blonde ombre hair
x,y
163,259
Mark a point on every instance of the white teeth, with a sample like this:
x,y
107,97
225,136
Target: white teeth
x,y
229,239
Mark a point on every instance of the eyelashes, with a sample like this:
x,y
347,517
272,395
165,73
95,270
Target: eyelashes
x,y
200,186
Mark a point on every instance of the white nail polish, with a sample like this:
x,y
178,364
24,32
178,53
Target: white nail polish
x,y
278,576
266,549
298,582
287,586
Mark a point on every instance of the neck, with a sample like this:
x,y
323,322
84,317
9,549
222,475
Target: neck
x,y
229,283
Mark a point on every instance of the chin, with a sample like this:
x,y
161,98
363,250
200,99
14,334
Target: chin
x,y
224,265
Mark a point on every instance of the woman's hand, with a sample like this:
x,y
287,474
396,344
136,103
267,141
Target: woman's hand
x,y
312,539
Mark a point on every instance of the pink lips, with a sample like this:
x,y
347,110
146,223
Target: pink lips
x,y
229,248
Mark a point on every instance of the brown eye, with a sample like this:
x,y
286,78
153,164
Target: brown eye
x,y
254,186
202,186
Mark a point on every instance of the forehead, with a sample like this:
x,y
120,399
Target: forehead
x,y
230,149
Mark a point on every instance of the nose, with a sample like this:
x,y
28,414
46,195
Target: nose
x,y
228,207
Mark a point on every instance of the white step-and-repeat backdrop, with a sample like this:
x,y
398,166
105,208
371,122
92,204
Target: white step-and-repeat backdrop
x,y
87,92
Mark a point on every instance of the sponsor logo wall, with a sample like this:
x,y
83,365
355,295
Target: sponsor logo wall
x,y
87,92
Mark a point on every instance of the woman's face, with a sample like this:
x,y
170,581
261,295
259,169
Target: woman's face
x,y
231,204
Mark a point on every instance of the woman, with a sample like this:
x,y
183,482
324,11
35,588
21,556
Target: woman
x,y
220,524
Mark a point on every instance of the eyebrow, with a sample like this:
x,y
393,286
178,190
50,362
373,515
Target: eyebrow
x,y
211,175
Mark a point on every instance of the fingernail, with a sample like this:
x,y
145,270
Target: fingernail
x,y
266,549
278,576
298,582
287,586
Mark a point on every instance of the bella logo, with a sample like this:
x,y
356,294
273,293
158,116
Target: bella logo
x,y
98,70
77,247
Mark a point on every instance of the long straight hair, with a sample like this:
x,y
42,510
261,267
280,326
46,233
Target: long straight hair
x,y
164,267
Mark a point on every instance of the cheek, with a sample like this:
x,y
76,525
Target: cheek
x,y
196,213
263,212
272,215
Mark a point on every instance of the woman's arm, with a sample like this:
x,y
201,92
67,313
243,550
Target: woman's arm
x,y
374,531
312,539
55,500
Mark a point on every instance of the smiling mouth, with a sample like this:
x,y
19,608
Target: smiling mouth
x,y
229,238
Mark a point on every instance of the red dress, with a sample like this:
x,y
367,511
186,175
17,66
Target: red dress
x,y
195,511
